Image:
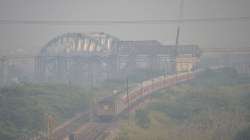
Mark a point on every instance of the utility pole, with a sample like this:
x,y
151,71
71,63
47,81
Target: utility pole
x,y
181,9
92,103
50,127
91,77
177,36
3,60
176,64
128,100
165,72
142,91
90,73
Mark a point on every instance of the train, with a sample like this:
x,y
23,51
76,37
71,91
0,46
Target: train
x,y
109,107
73,136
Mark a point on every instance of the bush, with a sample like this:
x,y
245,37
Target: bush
x,y
243,135
141,118
23,109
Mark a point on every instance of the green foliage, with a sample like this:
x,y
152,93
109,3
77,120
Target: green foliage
x,y
8,131
243,135
123,136
23,109
142,119
176,111
245,100
221,77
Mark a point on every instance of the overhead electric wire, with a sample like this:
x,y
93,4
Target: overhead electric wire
x,y
108,22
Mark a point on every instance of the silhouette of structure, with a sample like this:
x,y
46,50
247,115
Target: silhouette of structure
x,y
79,57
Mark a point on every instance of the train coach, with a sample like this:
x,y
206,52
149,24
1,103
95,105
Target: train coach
x,y
106,108
111,106
73,136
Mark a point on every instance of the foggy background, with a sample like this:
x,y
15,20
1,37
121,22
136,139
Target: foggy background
x,y
29,38
59,81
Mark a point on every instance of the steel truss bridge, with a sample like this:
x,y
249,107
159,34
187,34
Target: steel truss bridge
x,y
79,57
76,56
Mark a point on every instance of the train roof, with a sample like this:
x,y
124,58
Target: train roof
x,y
106,99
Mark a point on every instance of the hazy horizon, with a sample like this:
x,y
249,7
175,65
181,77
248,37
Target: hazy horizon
x,y
23,38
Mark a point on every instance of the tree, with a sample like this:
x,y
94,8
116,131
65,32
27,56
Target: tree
x,y
141,118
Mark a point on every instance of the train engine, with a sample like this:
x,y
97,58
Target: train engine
x,y
105,109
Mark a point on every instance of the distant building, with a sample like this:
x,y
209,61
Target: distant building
x,y
187,58
78,56
186,63
147,53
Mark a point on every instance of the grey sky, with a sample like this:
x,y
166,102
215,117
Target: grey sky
x,y
32,37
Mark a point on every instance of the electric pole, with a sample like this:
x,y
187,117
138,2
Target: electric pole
x,y
128,99
50,127
3,70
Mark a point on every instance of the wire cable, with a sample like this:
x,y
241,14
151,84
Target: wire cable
x,y
108,22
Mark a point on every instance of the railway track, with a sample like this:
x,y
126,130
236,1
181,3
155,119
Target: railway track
x,y
62,131
98,131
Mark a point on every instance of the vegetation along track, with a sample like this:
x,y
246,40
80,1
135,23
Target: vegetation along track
x,y
93,131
